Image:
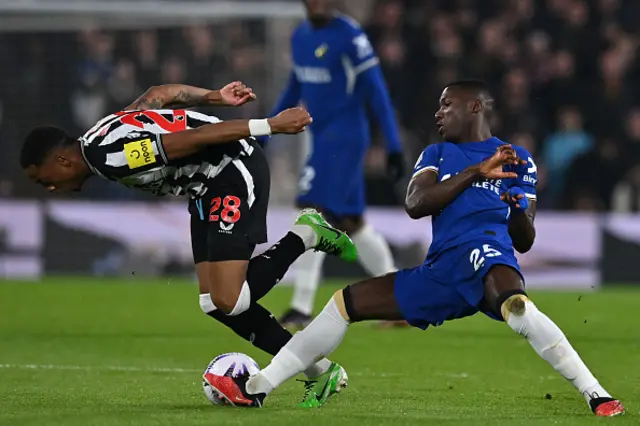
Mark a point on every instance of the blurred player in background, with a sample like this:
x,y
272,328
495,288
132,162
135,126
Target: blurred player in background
x,y
481,195
222,170
336,76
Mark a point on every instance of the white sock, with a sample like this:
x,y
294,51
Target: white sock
x,y
307,234
551,344
318,369
308,269
244,300
373,252
206,304
316,341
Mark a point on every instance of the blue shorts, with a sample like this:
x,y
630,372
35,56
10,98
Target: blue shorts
x,y
452,286
333,180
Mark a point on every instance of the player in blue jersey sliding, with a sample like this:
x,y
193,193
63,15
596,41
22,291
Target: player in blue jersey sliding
x,y
336,76
481,195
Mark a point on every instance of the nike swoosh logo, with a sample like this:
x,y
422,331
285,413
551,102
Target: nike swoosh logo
x,y
324,389
338,234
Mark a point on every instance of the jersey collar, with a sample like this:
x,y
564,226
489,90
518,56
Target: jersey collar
x,y
86,160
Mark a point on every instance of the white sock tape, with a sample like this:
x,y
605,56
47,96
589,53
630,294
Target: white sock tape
x,y
243,302
206,304
259,127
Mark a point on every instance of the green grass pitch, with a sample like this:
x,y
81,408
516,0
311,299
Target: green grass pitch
x,y
115,352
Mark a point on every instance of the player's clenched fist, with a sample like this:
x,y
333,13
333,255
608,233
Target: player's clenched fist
x,y
290,121
491,168
235,94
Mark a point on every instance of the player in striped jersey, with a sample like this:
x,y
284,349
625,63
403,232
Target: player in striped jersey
x,y
219,165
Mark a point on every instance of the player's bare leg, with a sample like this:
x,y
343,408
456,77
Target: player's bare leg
x,y
504,294
374,253
372,299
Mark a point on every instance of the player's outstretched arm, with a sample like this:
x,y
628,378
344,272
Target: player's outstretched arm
x,y
188,142
183,96
426,196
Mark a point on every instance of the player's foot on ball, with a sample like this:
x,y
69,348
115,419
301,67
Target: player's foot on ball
x,y
318,390
330,240
294,320
606,407
234,390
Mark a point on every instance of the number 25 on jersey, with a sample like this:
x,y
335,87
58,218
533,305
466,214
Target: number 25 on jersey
x,y
478,256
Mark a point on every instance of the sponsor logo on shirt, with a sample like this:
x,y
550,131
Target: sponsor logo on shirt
x,y
316,75
139,153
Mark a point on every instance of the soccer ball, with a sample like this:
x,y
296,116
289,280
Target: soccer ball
x,y
231,364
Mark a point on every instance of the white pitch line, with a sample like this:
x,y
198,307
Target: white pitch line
x,y
94,368
129,369
134,369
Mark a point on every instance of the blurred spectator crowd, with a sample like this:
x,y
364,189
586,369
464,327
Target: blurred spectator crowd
x,y
565,73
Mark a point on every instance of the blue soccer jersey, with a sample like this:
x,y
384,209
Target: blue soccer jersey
x,y
477,213
470,236
337,77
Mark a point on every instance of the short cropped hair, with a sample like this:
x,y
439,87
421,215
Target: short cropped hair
x,y
478,88
40,142
475,85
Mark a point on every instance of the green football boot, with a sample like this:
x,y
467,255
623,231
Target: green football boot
x,y
318,390
330,239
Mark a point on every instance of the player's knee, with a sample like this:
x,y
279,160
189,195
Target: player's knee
x,y
338,298
513,304
232,303
344,301
519,312
206,304
224,302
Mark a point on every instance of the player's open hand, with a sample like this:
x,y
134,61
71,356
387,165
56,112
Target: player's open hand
x,y
516,198
236,94
290,121
491,168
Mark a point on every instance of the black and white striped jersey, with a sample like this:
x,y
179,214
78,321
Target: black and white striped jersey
x,y
127,147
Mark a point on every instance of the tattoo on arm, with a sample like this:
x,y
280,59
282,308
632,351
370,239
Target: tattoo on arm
x,y
171,96
184,99
148,102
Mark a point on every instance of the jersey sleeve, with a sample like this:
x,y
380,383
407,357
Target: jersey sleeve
x,y
121,156
527,174
363,71
428,160
360,51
